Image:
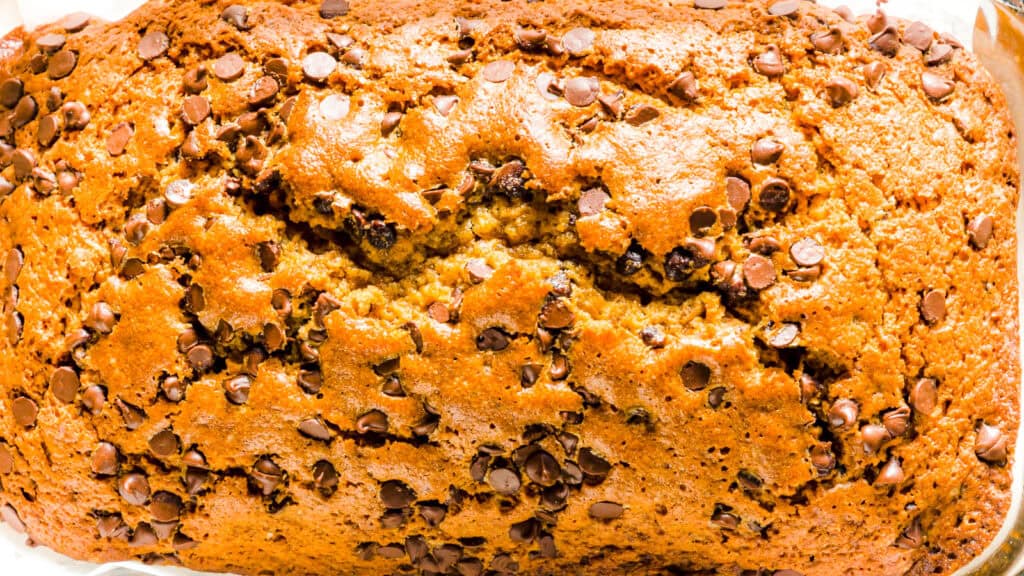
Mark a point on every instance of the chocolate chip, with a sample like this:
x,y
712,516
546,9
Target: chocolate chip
x,y
710,4
266,475
769,63
373,422
631,262
119,137
723,519
310,381
886,41
578,41
504,481
759,272
195,109
10,517
132,416
230,67
924,395
912,537
460,57
64,384
136,228
76,115
263,92
606,510
396,494
200,358
582,91
153,45
48,131
37,63
695,375
195,480
877,22
525,531
492,339
105,459
15,324
890,474
612,105
333,8
195,80
843,413
165,506
6,460
592,202
940,53
979,231
101,318
933,306
873,437
24,112
556,315
390,122
236,388
640,114
807,252
325,476
737,193
164,443
990,444
784,335
828,41
685,87
918,35
784,8
444,104
433,514
766,151
173,388
762,244
315,428
841,91
236,15
822,458
774,195
318,66
528,39
134,489
13,263
112,527
897,420
11,91
61,64
93,398
653,336
542,468
873,73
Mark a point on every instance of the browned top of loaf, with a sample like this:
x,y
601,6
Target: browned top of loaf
x,y
476,287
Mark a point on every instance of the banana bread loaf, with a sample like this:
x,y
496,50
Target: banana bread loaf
x,y
483,287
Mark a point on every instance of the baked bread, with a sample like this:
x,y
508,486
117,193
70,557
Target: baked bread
x,y
488,287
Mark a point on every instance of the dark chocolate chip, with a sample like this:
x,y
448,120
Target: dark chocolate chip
x,y
542,468
696,375
134,489
631,262
390,122
396,494
153,45
229,67
112,527
774,195
310,380
173,388
432,513
933,306
165,506
325,476
724,520
266,475
492,339
133,416
269,254
912,537
556,315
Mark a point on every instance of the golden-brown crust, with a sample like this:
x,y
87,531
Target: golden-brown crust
x,y
595,387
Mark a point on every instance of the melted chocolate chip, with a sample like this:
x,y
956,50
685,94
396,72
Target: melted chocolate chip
x,y
396,494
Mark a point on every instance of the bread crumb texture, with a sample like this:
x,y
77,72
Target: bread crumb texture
x,y
493,288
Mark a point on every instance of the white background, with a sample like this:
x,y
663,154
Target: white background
x,y
16,559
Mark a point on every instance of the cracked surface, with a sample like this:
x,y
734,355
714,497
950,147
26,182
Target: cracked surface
x,y
417,312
